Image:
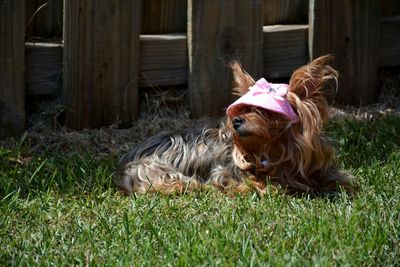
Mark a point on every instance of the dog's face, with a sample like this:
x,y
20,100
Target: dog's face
x,y
259,133
255,129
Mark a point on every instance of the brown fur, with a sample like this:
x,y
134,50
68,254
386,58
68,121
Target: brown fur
x,y
266,149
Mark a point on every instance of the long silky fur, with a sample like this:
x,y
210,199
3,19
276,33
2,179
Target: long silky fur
x,y
300,158
182,161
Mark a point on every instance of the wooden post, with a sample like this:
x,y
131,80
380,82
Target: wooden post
x,y
101,58
220,31
285,12
350,31
389,51
390,7
164,16
163,59
12,80
44,19
285,49
43,68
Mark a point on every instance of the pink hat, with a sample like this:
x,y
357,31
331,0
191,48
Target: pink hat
x,y
270,96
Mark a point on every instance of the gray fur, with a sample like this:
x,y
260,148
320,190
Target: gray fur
x,y
184,159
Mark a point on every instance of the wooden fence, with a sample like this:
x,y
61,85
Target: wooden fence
x,y
105,50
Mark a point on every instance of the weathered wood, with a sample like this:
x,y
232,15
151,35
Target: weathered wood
x,y
163,59
390,7
44,19
285,12
101,55
12,91
348,30
30,8
43,63
164,16
285,49
389,52
235,34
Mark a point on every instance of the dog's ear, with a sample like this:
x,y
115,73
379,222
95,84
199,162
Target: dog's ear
x,y
242,79
311,78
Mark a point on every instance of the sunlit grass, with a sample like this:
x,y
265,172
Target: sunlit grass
x,y
63,209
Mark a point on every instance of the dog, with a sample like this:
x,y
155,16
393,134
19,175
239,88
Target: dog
x,y
272,136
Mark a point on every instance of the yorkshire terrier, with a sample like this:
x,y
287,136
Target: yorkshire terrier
x,y
273,135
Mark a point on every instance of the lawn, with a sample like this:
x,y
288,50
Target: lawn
x,y
60,207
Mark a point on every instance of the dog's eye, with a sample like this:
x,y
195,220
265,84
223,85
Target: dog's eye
x,y
237,122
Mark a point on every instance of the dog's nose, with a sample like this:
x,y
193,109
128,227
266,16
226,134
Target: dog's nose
x,y
237,122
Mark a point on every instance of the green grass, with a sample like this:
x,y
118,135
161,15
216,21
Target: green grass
x,y
62,209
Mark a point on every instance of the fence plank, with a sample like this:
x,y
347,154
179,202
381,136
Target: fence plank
x,y
164,16
389,51
163,59
44,19
43,63
348,30
236,33
12,91
390,7
285,12
101,55
285,49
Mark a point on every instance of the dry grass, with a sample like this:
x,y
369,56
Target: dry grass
x,y
388,99
160,110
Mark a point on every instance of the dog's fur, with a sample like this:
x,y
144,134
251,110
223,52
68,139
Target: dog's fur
x,y
234,157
